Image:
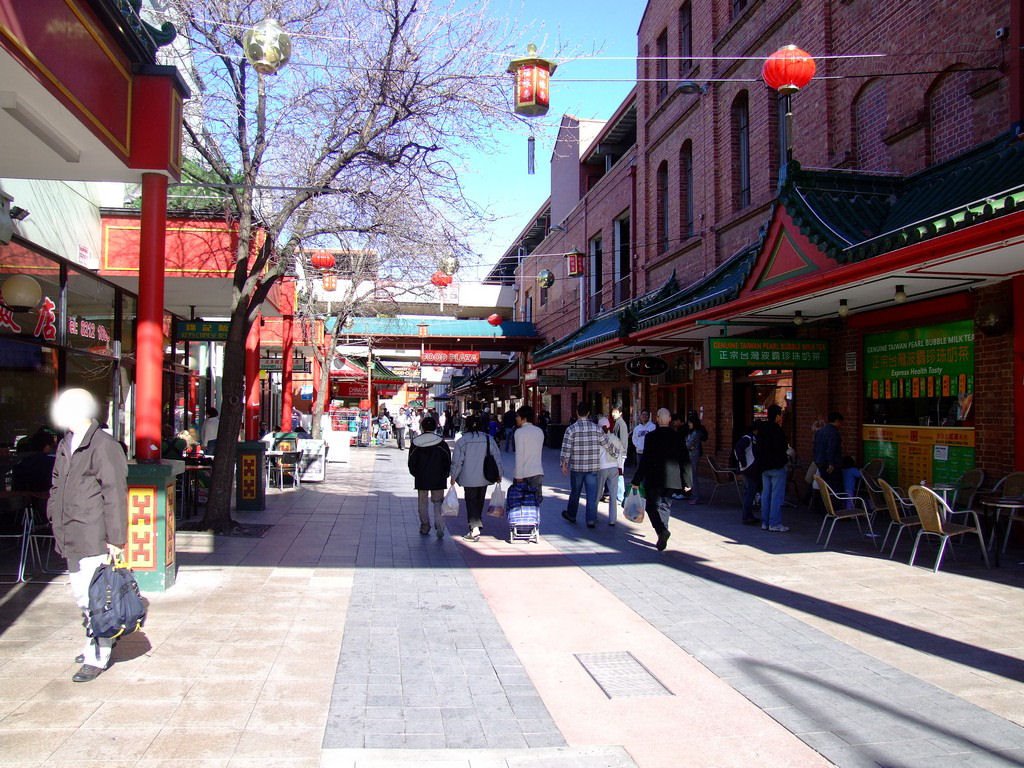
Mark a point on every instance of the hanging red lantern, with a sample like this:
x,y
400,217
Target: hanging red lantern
x,y
788,70
322,260
574,263
494,319
440,279
533,80
329,282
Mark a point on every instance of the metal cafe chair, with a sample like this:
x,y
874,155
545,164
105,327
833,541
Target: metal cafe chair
x,y
901,514
724,477
834,513
934,514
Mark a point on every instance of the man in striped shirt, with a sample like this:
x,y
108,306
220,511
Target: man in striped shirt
x,y
581,460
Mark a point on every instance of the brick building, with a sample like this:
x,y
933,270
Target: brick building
x,y
879,273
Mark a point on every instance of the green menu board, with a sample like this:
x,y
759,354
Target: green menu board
x,y
929,362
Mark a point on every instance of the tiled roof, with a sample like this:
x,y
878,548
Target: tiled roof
x,y
404,326
721,286
596,331
854,216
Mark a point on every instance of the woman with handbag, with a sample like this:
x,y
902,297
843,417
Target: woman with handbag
x,y
476,464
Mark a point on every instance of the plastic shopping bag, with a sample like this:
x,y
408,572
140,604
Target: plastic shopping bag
x,y
496,508
450,505
633,508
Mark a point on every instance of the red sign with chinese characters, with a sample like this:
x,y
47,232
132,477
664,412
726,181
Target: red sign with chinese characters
x,y
450,357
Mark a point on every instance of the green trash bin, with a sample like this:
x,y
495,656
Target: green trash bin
x,y
251,476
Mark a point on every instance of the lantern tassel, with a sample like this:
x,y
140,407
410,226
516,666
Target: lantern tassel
x,y
531,153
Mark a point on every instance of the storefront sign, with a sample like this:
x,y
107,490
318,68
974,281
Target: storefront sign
x,y
931,362
450,357
197,330
550,379
271,365
45,323
647,365
767,353
590,374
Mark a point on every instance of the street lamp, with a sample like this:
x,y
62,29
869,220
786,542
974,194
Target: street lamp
x,y
787,71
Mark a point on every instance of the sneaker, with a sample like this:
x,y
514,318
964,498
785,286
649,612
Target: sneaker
x,y
424,529
568,518
779,528
663,540
473,534
678,496
87,673
764,526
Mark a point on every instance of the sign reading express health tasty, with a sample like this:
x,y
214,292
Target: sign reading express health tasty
x,y
767,353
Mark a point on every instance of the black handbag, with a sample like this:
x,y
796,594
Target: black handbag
x,y
115,603
491,472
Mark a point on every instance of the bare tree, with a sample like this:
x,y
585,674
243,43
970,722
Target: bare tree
x,y
379,103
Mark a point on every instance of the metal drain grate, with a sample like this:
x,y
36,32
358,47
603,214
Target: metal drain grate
x,y
620,675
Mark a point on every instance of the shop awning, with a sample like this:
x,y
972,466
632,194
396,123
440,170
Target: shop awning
x,y
405,333
354,369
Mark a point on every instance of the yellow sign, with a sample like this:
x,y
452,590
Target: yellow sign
x,y
140,550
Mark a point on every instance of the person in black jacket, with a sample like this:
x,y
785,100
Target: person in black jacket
x,y
430,461
661,471
772,457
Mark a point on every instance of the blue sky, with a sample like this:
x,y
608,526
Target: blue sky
x,y
499,181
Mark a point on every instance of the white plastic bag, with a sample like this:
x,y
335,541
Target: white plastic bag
x,y
496,508
450,505
633,508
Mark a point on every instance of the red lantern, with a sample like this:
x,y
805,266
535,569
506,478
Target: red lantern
x,y
322,260
440,279
533,80
788,70
494,319
329,282
574,263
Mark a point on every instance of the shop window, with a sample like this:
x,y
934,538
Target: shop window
x,y
91,317
30,277
28,383
95,374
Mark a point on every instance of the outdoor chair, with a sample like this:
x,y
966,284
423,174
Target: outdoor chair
x,y
724,477
966,489
901,514
836,510
1010,485
871,491
873,469
1015,516
934,514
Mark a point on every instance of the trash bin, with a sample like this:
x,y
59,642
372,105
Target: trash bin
x,y
251,476
553,435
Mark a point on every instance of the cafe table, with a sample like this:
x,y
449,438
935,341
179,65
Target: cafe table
x,y
993,508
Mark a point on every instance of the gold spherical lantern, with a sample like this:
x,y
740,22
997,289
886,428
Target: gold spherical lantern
x,y
21,293
267,47
448,264
545,278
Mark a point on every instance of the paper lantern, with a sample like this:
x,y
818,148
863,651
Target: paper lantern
x,y
574,263
533,80
494,319
329,282
322,260
449,265
545,278
440,279
267,46
788,70
21,293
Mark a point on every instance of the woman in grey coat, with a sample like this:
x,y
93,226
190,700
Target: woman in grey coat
x,y
468,471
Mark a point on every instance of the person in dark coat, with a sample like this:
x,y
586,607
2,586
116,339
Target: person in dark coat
x,y
430,461
661,471
88,508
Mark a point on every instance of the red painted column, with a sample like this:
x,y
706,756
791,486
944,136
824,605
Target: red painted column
x,y
287,327
1018,372
149,334
252,382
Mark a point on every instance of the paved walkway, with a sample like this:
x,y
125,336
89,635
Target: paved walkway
x,y
344,638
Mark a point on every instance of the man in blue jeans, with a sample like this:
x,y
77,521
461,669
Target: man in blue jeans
x,y
581,460
772,457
